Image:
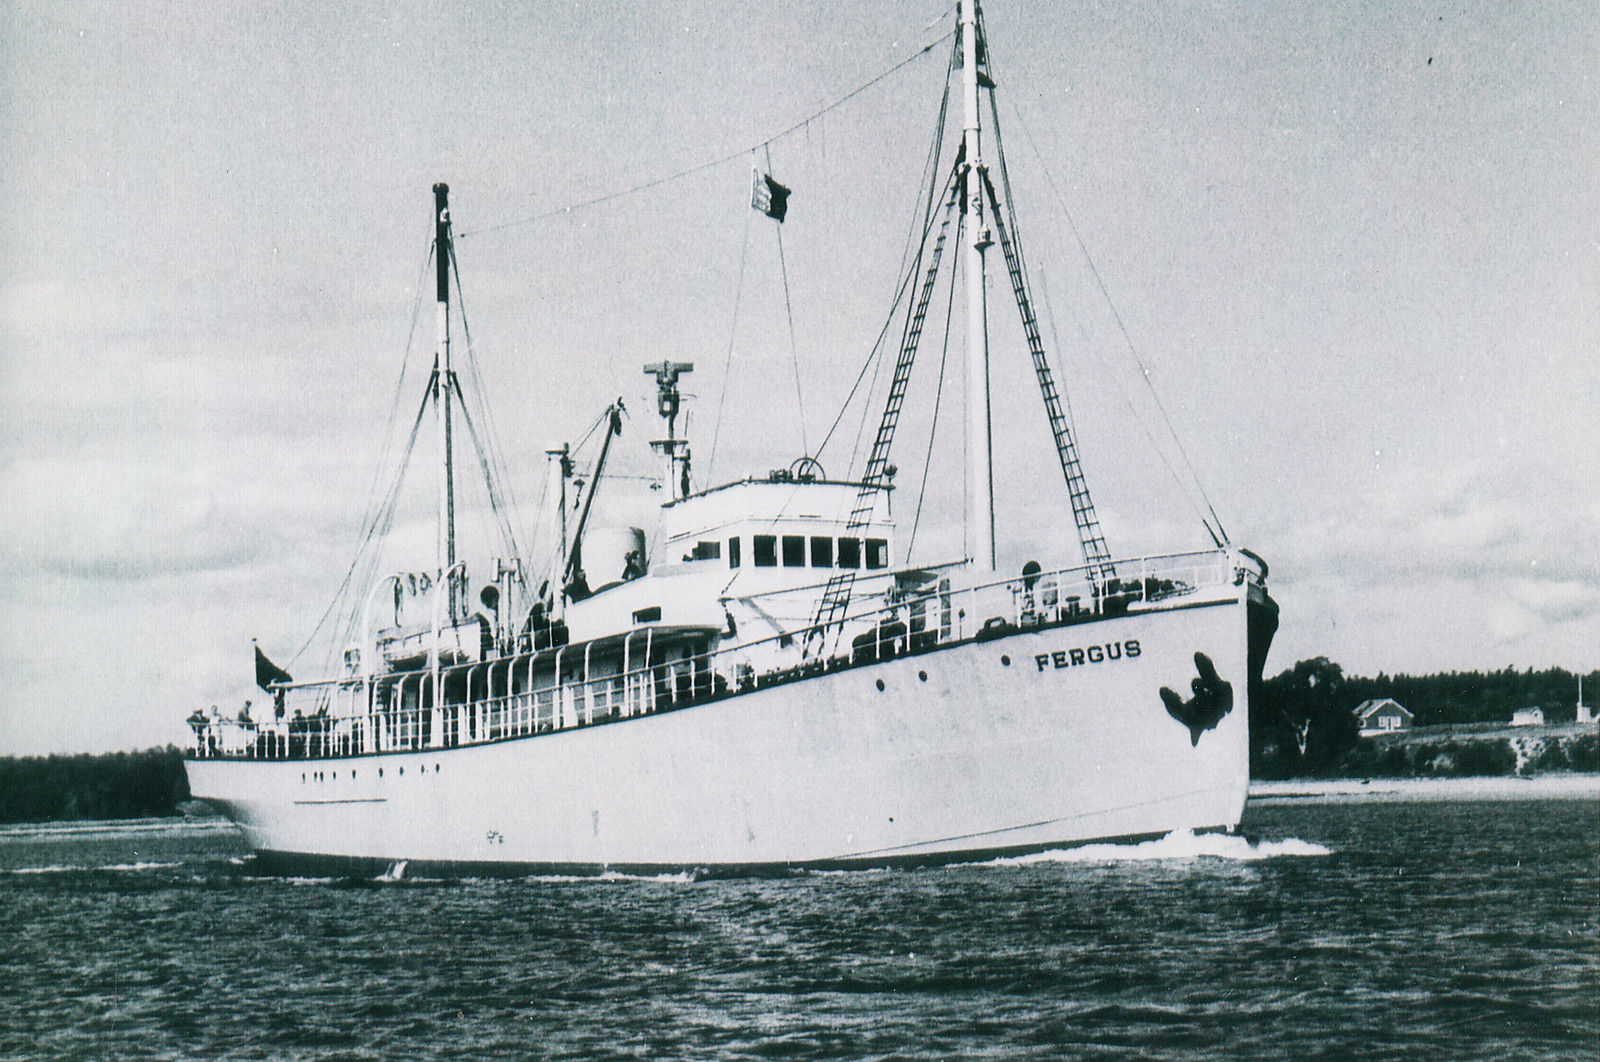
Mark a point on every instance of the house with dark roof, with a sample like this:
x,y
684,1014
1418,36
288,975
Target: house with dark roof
x,y
1382,716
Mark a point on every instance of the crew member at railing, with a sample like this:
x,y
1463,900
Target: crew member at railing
x,y
198,723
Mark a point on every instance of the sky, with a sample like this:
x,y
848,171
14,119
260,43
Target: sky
x,y
1353,248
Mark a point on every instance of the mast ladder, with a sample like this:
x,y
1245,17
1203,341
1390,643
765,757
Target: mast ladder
x,y
1095,552
836,595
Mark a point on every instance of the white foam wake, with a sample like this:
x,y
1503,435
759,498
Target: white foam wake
x,y
683,877
1178,845
396,871
63,868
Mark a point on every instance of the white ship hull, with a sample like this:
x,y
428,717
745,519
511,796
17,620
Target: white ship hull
x,y
978,748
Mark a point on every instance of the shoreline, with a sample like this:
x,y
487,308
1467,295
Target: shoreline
x,y
1352,790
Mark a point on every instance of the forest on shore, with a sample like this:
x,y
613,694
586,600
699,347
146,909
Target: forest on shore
x,y
116,785
1302,724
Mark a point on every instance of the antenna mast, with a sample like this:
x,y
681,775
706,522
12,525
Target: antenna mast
x,y
668,401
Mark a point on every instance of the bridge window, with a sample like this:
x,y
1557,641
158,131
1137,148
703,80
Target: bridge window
x,y
766,551
705,551
794,551
877,553
849,553
821,551
733,552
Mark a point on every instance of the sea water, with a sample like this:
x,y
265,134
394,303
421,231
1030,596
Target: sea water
x,y
1371,930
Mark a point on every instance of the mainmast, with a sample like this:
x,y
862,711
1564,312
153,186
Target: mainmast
x,y
443,385
980,463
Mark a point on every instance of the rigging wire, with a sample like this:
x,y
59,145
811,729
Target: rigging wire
x,y
877,344
733,331
1063,394
497,503
374,499
1144,372
581,443
391,420
938,401
381,522
1143,422
930,169
788,309
910,268
701,167
929,175
496,470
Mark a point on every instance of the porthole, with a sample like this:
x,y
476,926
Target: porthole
x,y
1005,661
880,685
402,770
922,675
380,772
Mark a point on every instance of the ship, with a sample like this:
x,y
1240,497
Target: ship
x,y
763,682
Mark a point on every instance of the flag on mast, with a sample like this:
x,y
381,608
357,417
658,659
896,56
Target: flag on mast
x,y
768,196
267,672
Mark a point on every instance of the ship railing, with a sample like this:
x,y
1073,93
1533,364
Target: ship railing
x,y
356,715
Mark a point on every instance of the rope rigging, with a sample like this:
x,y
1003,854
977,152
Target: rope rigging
x,y
933,428
733,331
365,560
1194,491
375,501
378,521
788,309
656,182
499,479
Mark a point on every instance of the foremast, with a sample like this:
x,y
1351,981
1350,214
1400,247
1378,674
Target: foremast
x,y
980,461
980,195
985,217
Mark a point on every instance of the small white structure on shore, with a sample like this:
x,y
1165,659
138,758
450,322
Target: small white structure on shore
x,y
1585,713
1528,717
1382,716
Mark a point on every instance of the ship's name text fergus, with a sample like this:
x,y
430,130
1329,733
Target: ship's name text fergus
x,y
1094,654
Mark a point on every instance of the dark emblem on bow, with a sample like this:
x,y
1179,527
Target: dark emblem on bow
x,y
1213,699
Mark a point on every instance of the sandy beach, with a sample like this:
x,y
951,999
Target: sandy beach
x,y
1346,790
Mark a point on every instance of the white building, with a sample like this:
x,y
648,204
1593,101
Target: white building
x,y
1382,716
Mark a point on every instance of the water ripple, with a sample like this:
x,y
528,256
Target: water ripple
x,y
1460,931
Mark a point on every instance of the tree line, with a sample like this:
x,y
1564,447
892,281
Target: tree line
x,y
1302,721
118,785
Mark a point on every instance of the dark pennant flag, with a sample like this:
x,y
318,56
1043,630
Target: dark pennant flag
x,y
769,197
267,672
